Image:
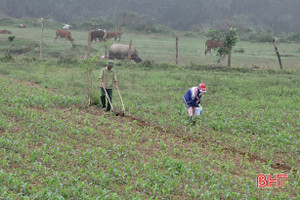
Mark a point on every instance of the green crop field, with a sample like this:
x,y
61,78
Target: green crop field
x,y
54,146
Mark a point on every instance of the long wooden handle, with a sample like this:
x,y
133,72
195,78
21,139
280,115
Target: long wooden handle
x,y
121,101
108,98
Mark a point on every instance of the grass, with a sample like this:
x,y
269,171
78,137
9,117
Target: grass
x,y
160,48
54,147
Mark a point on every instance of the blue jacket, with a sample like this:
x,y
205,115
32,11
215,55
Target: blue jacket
x,y
192,97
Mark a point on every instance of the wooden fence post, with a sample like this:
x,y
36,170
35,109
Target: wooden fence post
x,y
229,60
89,45
277,52
105,52
106,44
129,50
41,40
176,50
89,84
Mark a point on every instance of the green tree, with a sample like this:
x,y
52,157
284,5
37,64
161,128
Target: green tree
x,y
229,37
10,39
87,66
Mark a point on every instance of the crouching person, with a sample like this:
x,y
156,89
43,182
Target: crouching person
x,y
192,99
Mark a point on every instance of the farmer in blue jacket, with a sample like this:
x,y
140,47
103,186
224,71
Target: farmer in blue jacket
x,y
192,99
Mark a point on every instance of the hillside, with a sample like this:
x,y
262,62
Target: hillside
x,y
273,15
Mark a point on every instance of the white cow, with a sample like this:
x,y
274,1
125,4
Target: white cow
x,y
66,26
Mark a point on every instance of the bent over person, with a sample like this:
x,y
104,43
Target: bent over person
x,y
192,99
108,78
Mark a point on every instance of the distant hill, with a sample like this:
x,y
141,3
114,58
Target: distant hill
x,y
273,15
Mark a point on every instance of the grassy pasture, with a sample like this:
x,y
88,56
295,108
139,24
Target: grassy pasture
x,y
53,147
160,48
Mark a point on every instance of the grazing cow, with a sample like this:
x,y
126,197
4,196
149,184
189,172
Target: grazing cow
x,y
114,34
22,26
5,32
64,34
120,51
98,34
212,44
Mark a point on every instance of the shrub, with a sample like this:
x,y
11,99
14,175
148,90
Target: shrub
x,y
142,23
5,59
95,98
94,23
295,37
188,34
148,63
151,27
257,37
159,28
68,58
7,21
241,50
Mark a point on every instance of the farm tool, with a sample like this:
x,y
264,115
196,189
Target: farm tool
x,y
122,113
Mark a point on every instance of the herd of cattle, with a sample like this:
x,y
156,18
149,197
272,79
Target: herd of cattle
x,y
99,34
116,51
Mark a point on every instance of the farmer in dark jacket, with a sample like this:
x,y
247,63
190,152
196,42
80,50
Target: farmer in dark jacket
x,y
192,99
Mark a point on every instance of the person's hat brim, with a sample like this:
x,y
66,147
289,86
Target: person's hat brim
x,y
110,63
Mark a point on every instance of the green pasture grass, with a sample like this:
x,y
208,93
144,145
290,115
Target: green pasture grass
x,y
156,47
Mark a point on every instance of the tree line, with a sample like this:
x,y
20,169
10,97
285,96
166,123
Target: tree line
x,y
274,15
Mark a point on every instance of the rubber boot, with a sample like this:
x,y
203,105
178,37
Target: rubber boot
x,y
192,121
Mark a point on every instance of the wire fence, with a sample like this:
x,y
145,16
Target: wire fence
x,y
157,48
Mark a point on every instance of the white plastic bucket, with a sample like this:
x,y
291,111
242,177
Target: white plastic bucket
x,y
198,111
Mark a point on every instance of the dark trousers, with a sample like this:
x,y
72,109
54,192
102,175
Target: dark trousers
x,y
103,101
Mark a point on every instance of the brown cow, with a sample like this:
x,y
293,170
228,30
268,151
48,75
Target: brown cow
x,y
212,44
64,34
98,34
5,32
114,34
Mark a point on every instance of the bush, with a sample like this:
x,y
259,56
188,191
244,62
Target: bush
x,y
7,21
95,98
241,50
151,27
142,23
158,28
5,58
293,37
148,64
68,58
94,23
257,37
188,34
